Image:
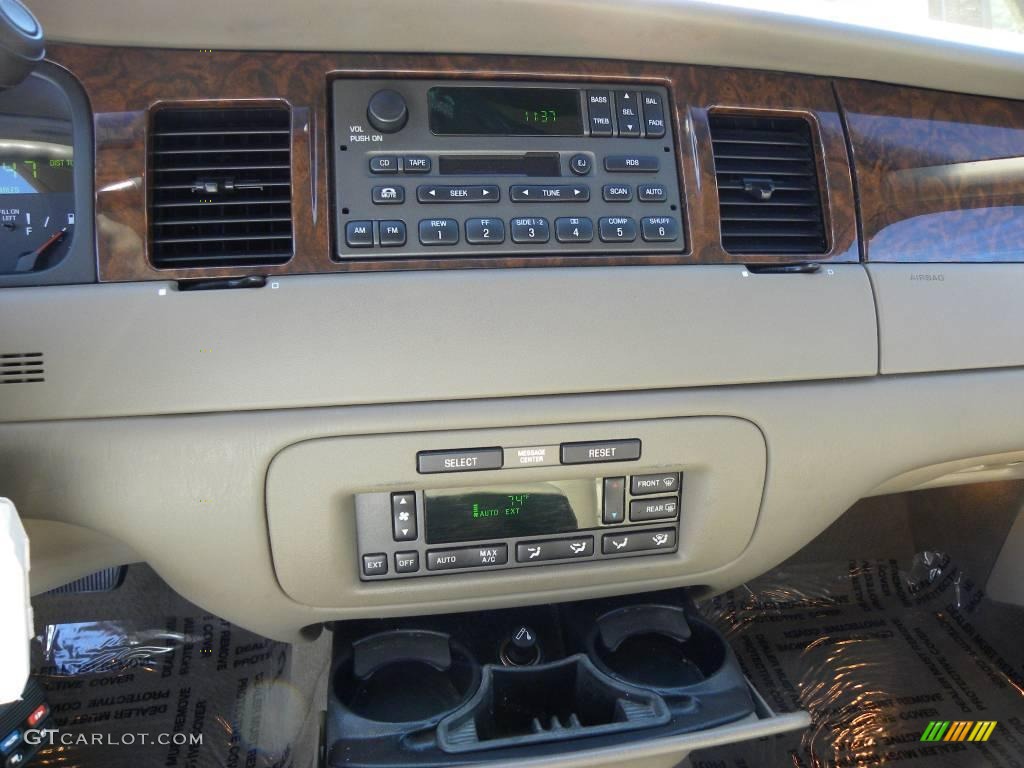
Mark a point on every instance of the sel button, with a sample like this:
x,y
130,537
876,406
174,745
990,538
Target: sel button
x,y
628,113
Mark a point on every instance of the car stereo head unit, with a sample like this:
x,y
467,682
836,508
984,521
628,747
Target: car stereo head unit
x,y
426,168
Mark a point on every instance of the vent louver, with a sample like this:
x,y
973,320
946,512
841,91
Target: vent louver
x,y
21,368
220,187
768,190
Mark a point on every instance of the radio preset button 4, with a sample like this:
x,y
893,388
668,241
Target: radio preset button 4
x,y
574,229
467,557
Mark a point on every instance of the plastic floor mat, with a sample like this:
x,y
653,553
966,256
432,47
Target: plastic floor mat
x,y
882,654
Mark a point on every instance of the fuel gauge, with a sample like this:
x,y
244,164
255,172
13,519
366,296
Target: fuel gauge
x,y
37,206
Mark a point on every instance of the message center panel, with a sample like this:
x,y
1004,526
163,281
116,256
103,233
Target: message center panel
x,y
463,168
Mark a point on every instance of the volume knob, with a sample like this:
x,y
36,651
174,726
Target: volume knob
x,y
387,111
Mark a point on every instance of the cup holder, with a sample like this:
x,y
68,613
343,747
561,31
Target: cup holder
x,y
405,677
656,647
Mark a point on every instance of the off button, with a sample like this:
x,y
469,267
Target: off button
x,y
600,451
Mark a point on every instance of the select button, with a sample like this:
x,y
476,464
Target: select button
x,y
600,451
467,557
468,460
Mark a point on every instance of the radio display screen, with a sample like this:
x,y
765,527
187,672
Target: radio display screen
x,y
492,111
535,509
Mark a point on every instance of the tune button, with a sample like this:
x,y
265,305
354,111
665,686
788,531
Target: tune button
x,y
485,231
617,229
574,229
439,231
530,230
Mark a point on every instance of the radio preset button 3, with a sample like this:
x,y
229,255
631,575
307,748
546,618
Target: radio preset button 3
x,y
574,229
439,232
617,229
466,460
485,231
631,164
530,230
467,557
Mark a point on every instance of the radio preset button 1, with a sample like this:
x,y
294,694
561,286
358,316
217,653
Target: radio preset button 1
x,y
391,234
403,516
375,565
654,115
642,510
467,557
580,164
407,562
627,111
549,193
468,193
600,105
554,549
485,231
662,482
466,460
530,229
388,195
659,229
631,164
596,451
629,541
651,193
439,231
384,164
617,193
617,229
359,234
613,510
416,164
574,229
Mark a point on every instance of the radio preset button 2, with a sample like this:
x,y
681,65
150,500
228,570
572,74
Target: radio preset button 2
x,y
630,541
631,164
617,193
467,557
659,229
384,164
388,195
549,193
554,549
642,510
651,193
439,232
391,234
574,229
597,451
375,565
530,229
580,164
359,234
403,516
600,105
416,164
485,231
468,193
654,115
466,460
627,111
617,229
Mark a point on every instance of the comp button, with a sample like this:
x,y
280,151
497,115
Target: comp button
x,y
468,460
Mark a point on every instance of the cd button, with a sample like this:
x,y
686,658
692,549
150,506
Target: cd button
x,y
392,233
628,113
617,193
485,231
617,229
383,164
388,195
574,229
651,193
554,193
439,231
659,229
416,164
359,234
469,193
530,230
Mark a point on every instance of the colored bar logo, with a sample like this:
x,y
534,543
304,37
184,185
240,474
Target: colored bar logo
x,y
959,730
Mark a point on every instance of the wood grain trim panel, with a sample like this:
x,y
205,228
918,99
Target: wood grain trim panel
x,y
940,175
124,84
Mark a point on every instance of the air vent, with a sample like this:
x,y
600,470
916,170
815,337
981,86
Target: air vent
x,y
767,185
220,187
21,368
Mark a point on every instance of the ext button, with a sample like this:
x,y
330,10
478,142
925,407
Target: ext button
x,y
359,234
574,229
467,557
375,565
613,509
403,516
416,164
530,230
554,193
659,229
617,229
651,193
642,510
439,231
388,195
631,164
663,482
485,231
391,233
620,543
407,562
600,450
468,193
600,104
554,549
628,113
468,460
383,164
617,193
654,115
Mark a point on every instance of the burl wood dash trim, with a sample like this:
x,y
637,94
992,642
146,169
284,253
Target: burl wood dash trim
x,y
125,84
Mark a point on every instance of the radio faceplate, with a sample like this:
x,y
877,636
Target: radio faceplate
x,y
513,169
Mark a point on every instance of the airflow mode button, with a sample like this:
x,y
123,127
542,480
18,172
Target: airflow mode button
x,y
467,460
600,451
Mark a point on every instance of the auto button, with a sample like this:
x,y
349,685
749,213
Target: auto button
x,y
467,557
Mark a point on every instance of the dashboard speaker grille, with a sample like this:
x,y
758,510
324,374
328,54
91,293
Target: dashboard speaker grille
x,y
21,368
768,190
220,187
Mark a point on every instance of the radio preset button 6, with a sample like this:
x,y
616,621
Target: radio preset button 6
x,y
466,557
631,164
384,164
466,460
617,229
388,195
659,229
628,541
574,229
485,231
469,193
554,549
391,234
600,104
359,234
439,231
530,229
627,111
600,450
617,193
549,193
416,164
654,115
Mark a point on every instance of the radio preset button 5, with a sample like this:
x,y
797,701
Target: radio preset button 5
x,y
574,229
600,105
631,164
485,231
617,229
600,450
654,115
659,229
628,541
359,234
469,193
549,193
466,460
439,231
627,111
391,234
554,549
467,557
388,195
384,164
617,193
530,229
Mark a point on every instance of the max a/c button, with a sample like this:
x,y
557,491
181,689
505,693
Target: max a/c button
x,y
468,460
602,450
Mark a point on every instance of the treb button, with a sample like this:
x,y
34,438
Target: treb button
x,y
600,104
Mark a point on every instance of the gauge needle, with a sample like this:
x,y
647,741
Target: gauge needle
x,y
27,261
